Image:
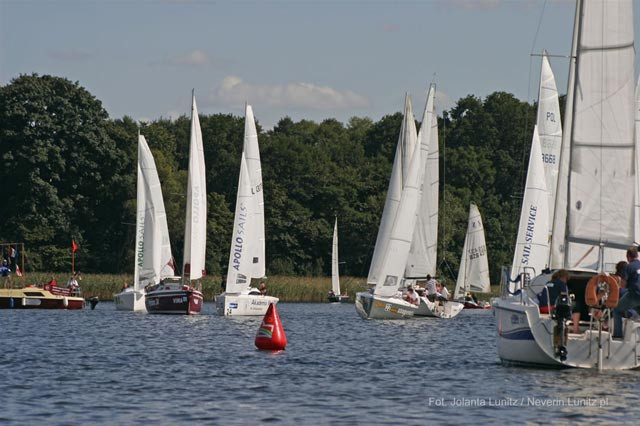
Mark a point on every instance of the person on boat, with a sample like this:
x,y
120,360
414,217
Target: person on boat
x,y
125,286
331,293
470,297
5,273
554,288
431,287
443,293
72,284
263,288
411,296
631,299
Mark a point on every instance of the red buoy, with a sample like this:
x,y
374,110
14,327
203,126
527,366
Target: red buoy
x,y
271,334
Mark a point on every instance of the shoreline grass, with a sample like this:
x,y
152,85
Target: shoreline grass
x,y
298,289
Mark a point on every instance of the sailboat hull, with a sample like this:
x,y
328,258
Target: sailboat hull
x,y
339,298
39,298
243,304
427,308
186,301
130,300
370,306
527,337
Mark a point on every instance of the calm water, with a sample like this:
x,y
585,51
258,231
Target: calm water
x,y
105,366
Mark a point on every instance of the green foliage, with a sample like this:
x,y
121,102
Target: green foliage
x,y
70,172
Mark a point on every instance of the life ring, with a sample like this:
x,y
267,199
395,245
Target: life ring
x,y
611,288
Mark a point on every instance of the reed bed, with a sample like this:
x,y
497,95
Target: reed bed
x,y
287,288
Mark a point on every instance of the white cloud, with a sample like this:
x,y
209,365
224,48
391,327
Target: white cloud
x,y
70,55
195,57
233,91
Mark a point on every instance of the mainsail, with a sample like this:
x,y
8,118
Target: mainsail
x,y
595,215
422,256
252,154
196,218
550,131
335,274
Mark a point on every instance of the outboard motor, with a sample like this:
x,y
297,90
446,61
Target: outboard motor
x,y
93,301
561,314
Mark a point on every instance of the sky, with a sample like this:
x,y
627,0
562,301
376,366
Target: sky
x,y
306,59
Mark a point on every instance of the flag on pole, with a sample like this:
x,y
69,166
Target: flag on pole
x,y
18,271
74,246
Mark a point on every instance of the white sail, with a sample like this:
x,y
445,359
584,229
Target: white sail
x,y
473,274
240,258
599,212
196,217
637,142
422,256
252,154
394,192
335,272
153,260
408,137
397,250
532,244
550,132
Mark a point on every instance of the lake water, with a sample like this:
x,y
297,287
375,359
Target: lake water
x,y
111,367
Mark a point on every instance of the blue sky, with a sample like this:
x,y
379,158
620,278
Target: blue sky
x,y
305,59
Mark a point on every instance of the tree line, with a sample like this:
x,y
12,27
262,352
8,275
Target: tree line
x,y
69,172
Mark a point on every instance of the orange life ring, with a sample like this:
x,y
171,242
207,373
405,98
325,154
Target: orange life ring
x,y
611,288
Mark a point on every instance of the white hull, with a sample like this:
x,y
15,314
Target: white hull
x,y
427,308
526,337
130,300
240,304
370,306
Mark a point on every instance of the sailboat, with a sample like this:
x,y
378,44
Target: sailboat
x,y
152,261
473,275
386,273
247,255
421,261
183,297
335,296
595,216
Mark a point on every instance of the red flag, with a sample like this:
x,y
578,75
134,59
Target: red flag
x,y
18,271
74,246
